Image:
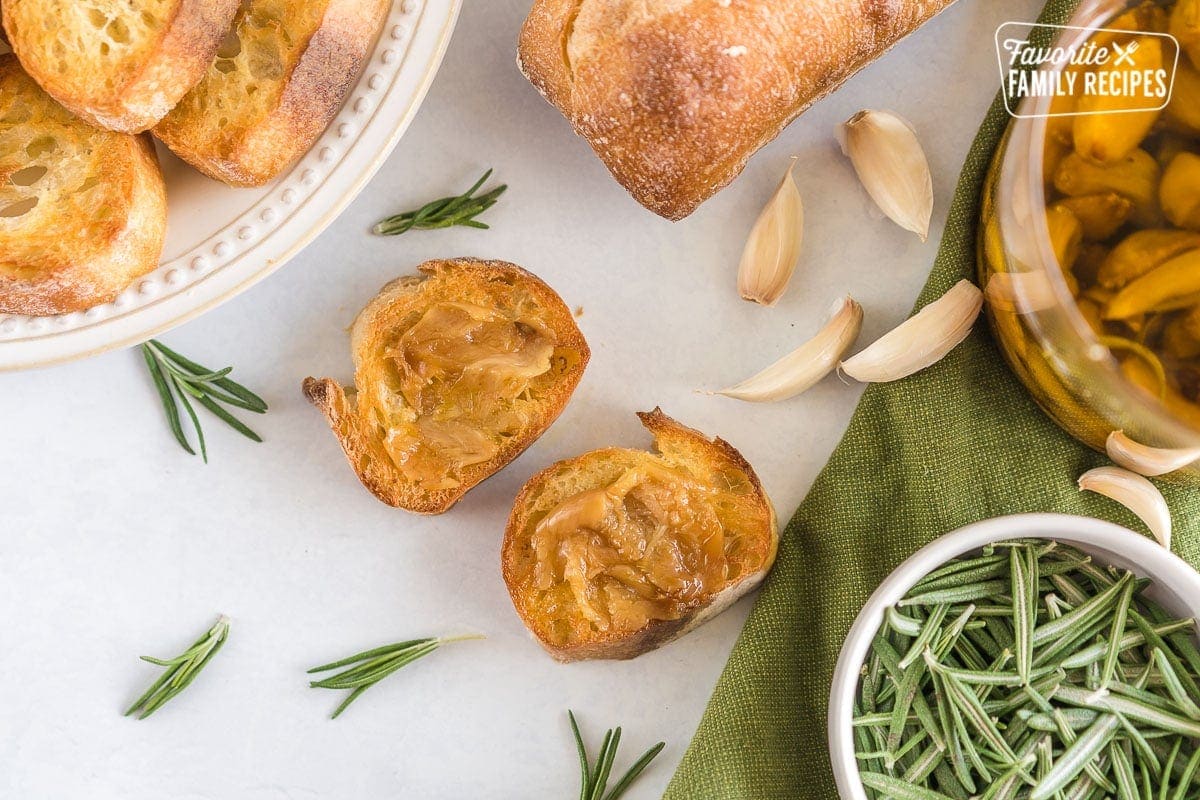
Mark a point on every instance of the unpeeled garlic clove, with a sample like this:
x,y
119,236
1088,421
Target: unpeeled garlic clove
x,y
921,340
1146,460
892,167
773,247
1135,493
807,364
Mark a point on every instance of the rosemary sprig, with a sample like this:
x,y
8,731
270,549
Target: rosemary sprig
x,y
181,670
445,212
594,778
177,379
374,665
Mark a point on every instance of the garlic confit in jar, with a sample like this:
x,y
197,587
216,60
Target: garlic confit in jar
x,y
1089,243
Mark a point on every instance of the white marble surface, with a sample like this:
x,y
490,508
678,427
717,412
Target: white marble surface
x,y
114,543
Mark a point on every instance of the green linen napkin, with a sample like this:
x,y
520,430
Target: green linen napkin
x,y
959,442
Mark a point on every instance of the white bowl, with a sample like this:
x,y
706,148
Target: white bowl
x,y
1176,586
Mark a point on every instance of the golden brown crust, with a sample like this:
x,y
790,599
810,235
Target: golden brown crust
x,y
164,70
677,443
676,95
445,280
76,247
317,84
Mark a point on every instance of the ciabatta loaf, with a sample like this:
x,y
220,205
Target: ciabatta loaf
x,y
82,211
675,95
276,83
456,372
120,64
617,552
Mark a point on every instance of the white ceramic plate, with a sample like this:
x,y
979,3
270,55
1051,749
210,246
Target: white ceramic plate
x,y
220,240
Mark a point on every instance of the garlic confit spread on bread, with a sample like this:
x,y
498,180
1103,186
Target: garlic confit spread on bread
x,y
618,551
456,373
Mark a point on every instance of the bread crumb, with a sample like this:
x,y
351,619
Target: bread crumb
x,y
578,311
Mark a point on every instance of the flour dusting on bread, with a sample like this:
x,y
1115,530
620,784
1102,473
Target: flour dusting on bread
x,y
676,95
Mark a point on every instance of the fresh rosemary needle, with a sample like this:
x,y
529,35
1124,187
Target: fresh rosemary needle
x,y
593,781
181,670
372,666
180,380
445,212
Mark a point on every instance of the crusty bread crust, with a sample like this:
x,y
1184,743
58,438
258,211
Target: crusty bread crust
x,y
170,66
315,88
445,281
76,247
677,444
676,95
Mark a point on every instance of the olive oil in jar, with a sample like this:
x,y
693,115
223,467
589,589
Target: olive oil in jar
x,y
1121,182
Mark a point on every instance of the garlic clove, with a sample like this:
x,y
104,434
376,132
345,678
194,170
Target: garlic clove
x,y
1146,460
1135,493
801,369
1020,292
921,340
892,167
773,247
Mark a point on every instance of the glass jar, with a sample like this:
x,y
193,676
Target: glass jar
x,y
1090,383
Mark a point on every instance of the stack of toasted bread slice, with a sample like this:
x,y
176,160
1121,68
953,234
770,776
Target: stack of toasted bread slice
x,y
82,210
238,88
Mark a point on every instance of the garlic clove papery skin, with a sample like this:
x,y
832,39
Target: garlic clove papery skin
x,y
1146,460
772,249
892,167
1134,492
920,341
801,369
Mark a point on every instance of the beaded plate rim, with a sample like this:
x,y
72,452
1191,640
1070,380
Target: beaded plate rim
x,y
246,247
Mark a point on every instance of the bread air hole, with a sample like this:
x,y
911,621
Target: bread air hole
x,y
27,176
266,63
118,31
41,146
19,208
231,47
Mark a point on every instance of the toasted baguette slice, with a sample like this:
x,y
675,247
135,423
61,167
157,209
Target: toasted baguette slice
x,y
456,373
274,87
83,211
616,552
119,64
